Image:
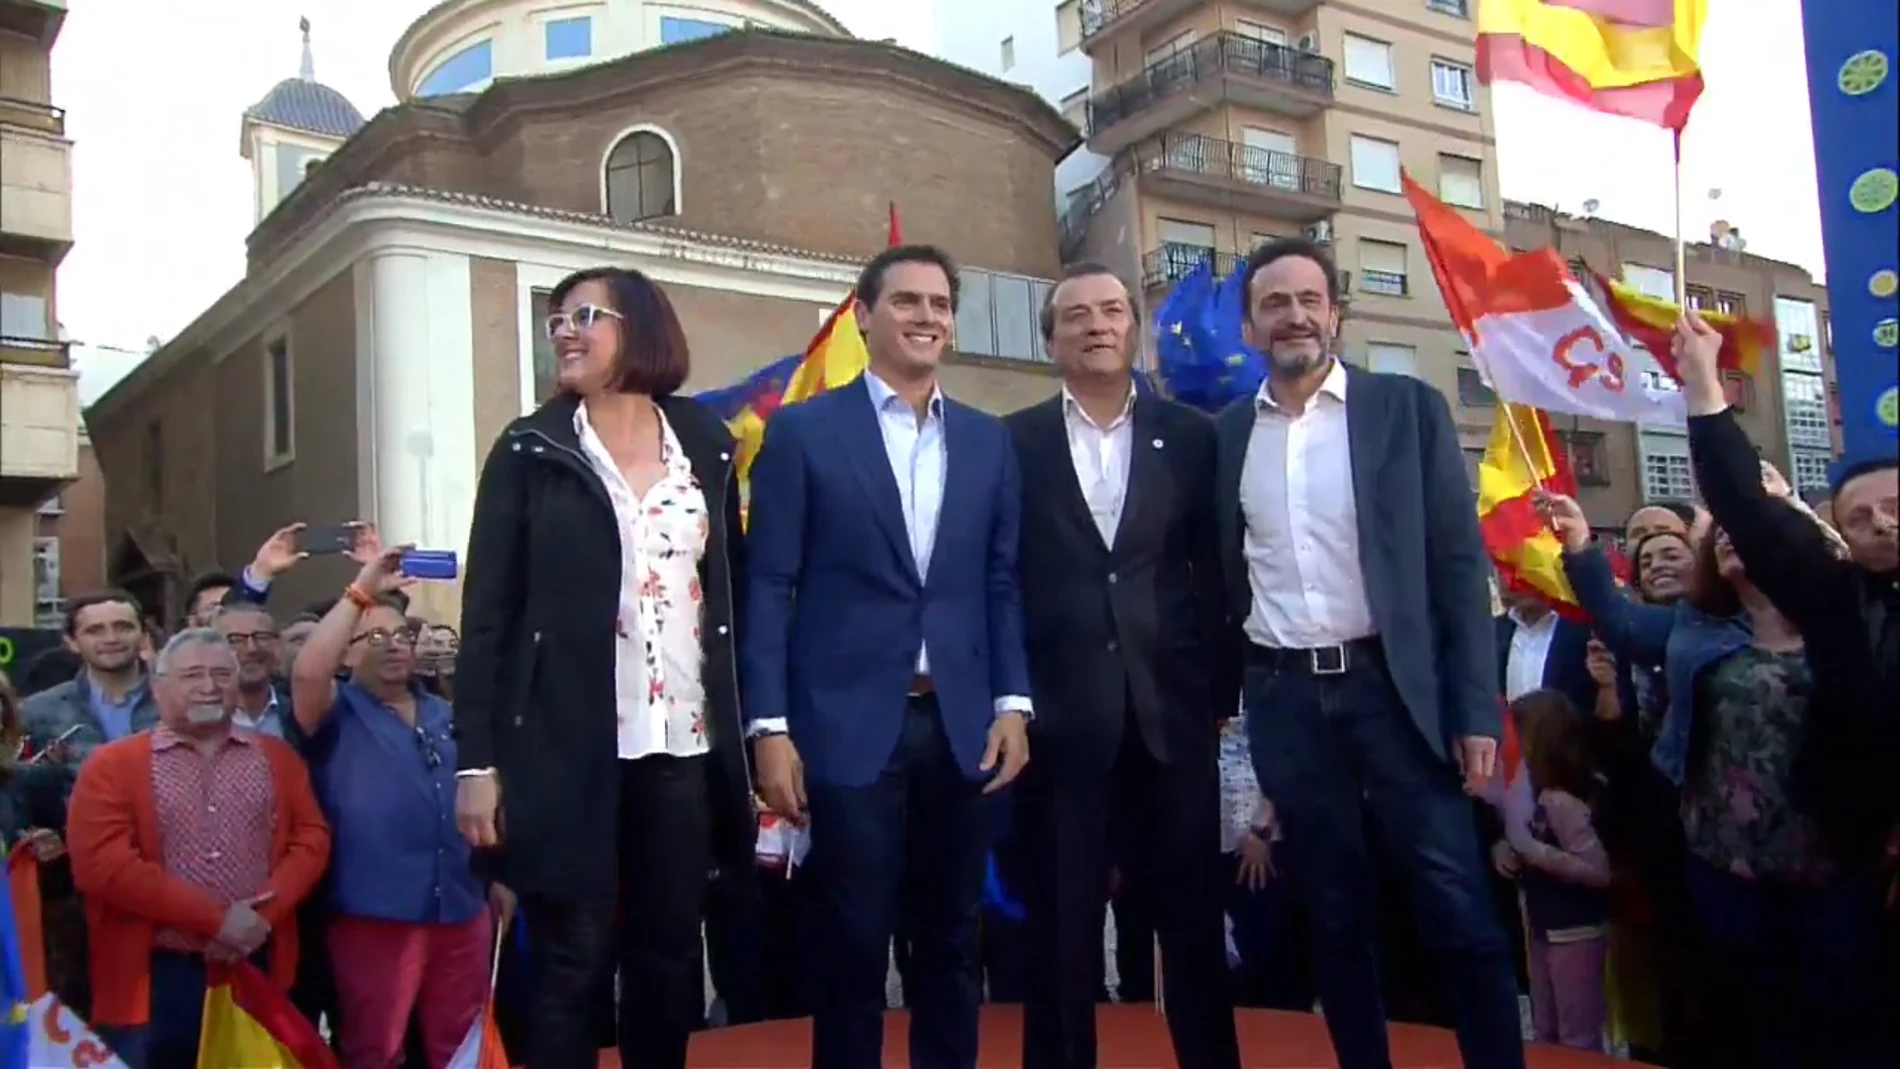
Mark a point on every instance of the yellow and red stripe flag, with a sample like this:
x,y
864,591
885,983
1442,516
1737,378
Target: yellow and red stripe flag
x,y
834,357
1636,58
249,1022
1523,456
1651,322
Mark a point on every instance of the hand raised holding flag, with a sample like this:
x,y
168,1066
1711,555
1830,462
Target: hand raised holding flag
x,y
1697,348
1565,517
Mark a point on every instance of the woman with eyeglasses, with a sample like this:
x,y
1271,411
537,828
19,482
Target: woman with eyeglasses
x,y
597,709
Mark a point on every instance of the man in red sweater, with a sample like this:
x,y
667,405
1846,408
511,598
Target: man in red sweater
x,y
193,842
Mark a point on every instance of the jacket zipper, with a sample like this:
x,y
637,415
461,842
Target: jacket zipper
x,y
732,623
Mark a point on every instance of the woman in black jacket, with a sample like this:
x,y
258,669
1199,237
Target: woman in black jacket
x,y
597,708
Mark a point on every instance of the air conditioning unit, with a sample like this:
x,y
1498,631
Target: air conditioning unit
x,y
1321,232
1308,42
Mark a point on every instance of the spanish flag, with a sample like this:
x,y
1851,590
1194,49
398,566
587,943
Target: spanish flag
x,y
1636,58
248,1022
1651,322
834,357
1528,556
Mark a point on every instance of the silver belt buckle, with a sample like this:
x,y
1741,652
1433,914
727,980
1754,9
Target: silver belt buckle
x,y
1329,660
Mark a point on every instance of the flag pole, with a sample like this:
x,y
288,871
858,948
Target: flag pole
x,y
1682,255
1505,413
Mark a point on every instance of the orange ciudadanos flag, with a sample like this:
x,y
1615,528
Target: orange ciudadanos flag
x,y
250,1022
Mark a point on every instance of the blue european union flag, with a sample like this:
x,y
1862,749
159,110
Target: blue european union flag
x,y
753,390
1200,356
13,993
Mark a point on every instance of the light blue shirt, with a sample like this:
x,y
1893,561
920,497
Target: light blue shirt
x,y
915,450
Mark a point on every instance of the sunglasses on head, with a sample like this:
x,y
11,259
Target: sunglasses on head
x,y
579,319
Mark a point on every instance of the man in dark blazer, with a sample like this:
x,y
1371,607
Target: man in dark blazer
x,y
1357,587
884,675
1540,650
1120,567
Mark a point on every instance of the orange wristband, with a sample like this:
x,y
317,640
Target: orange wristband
x,y
359,597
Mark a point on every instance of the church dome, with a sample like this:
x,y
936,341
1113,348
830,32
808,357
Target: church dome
x,y
307,105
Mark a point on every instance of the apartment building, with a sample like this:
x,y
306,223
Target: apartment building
x,y
39,390
1214,125
1790,407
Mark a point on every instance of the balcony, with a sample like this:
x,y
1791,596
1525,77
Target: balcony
x,y
32,115
1224,68
38,19
35,352
1234,177
39,432
36,182
1175,260
1101,18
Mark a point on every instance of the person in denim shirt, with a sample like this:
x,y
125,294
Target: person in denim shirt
x,y
412,928
110,698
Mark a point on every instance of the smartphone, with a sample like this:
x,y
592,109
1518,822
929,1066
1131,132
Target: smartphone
x,y
330,538
429,564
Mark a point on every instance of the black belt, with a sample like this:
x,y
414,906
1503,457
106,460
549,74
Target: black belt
x,y
1320,660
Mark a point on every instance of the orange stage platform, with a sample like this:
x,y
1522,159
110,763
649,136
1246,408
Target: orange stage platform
x,y
1131,1037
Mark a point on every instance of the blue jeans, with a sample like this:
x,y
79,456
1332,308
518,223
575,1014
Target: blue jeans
x,y
1791,973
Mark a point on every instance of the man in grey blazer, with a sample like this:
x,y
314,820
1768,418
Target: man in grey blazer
x,y
1356,585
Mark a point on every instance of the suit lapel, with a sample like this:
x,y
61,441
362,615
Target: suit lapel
x,y
1054,430
864,446
1367,421
1145,469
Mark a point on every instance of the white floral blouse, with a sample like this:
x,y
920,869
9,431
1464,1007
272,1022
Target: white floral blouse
x,y
661,701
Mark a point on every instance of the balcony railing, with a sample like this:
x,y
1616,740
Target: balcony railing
x,y
37,352
1211,57
1175,260
1214,158
34,115
1098,15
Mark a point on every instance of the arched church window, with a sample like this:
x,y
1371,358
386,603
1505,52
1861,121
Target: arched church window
x,y
642,178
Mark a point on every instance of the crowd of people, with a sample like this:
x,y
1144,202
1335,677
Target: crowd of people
x,y
1235,687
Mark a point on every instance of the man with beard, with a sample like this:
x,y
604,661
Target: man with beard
x,y
1357,586
191,843
109,699
1120,573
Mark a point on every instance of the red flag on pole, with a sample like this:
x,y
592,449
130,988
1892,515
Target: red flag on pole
x,y
896,237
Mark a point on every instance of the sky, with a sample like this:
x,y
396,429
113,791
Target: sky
x,y
154,93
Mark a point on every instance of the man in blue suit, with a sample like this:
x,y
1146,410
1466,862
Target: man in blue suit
x,y
1356,587
884,678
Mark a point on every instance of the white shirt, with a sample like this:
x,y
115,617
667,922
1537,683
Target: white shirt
x,y
1530,648
660,700
1301,524
1100,455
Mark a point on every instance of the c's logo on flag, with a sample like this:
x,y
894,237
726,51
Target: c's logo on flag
x,y
1610,372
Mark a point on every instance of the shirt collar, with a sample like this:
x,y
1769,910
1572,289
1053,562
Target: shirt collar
x,y
584,430
1542,623
882,395
1074,410
164,738
1333,386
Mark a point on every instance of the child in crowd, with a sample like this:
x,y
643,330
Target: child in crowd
x,y
1562,871
1265,949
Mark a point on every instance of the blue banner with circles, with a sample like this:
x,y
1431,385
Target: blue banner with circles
x,y
1852,96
